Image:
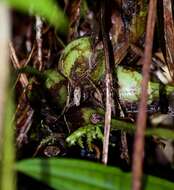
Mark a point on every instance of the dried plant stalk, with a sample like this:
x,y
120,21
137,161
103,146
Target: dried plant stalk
x,y
168,34
39,25
108,84
142,113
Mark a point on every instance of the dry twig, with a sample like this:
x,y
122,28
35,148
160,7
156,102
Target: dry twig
x,y
39,24
142,115
25,128
108,83
168,34
23,78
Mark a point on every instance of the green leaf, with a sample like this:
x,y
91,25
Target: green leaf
x,y
45,8
161,132
130,128
84,175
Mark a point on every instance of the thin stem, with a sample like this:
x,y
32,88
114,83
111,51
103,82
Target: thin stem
x,y
142,113
4,71
108,83
39,25
23,78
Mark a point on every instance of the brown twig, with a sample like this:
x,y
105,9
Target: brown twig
x,y
168,34
158,65
108,83
25,128
23,78
74,11
142,115
28,42
158,62
124,147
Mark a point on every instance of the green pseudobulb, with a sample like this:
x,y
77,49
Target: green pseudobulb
x,y
75,61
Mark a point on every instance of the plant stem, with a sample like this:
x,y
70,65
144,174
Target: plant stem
x,y
108,84
142,113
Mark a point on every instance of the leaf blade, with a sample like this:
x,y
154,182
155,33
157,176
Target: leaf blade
x,y
45,8
84,175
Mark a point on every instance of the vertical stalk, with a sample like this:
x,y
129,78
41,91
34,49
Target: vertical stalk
x,y
39,25
7,181
108,83
168,34
142,112
4,39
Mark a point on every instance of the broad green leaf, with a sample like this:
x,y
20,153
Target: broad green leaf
x,y
45,8
64,174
